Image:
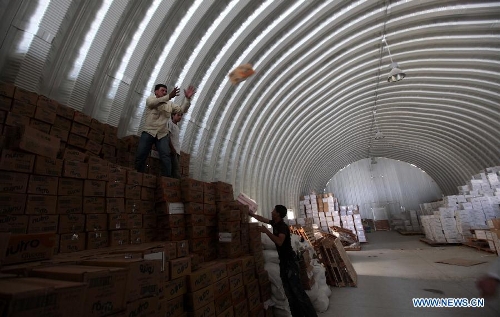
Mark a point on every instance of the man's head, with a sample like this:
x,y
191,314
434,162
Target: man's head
x,y
160,90
279,212
176,114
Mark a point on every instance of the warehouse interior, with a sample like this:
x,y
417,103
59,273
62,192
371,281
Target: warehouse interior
x,y
384,107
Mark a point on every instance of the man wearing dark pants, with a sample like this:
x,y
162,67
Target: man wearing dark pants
x,y
300,304
158,112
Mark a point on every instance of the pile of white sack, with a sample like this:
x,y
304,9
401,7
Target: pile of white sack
x,y
320,291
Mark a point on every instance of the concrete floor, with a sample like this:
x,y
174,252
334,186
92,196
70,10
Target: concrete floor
x,y
392,269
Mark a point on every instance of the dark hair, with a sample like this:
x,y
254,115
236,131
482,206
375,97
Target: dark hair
x,y
158,86
281,210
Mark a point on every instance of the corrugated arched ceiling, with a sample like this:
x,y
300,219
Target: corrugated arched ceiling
x,y
318,96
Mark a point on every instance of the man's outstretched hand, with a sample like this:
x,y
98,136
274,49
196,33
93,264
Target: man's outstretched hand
x,y
174,92
189,92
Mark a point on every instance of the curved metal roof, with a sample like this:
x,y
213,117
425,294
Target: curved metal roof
x,y
319,94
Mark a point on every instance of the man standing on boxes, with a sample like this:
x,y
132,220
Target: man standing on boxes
x,y
158,113
300,303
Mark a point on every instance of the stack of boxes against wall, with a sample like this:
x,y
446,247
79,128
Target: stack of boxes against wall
x,y
457,217
67,186
325,211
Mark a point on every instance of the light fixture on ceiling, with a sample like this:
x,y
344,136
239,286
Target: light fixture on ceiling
x,y
396,74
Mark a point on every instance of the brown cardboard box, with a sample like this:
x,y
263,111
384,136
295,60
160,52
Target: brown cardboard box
x,y
62,123
198,245
252,288
69,205
23,108
171,221
235,281
143,307
149,180
94,188
211,220
98,171
133,206
96,136
7,89
209,209
26,297
179,267
173,307
229,215
195,220
167,195
16,120
106,288
219,269
134,221
173,234
133,191
169,183
97,240
12,204
233,267
79,129
254,302
147,193
143,275
95,222
60,133
119,238
12,182
47,103
41,205
223,302
117,221
182,248
77,140
44,114
209,199
249,276
232,226
115,205
75,169
82,118
15,224
238,296
43,223
221,287
25,95
40,125
17,161
71,223
199,279
48,166
247,263
74,155
137,235
263,276
65,111
148,207
93,147
193,208
192,196
227,313
175,288
43,185
196,232
205,311
107,150
37,142
94,205
209,188
115,189
30,247
169,208
190,184
196,300
134,177
6,103
149,221
71,242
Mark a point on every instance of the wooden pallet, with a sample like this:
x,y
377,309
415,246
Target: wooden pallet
x,y
479,244
410,233
339,270
437,244
352,248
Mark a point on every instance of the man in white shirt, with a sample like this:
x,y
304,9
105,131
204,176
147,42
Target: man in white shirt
x,y
158,113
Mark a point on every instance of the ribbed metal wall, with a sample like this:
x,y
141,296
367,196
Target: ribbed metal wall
x,y
387,182
318,96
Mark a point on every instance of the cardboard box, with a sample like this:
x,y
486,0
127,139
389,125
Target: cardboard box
x,y
149,221
106,288
133,191
238,296
172,308
45,114
196,232
41,205
133,206
69,205
79,129
40,125
170,208
235,281
221,287
71,242
23,108
115,189
168,195
192,196
6,103
171,221
143,307
29,247
137,235
15,224
148,207
13,182
210,210
70,186
175,288
227,313
198,245
119,238
25,95
37,142
149,180
199,279
62,123
193,208
173,234
200,298
95,222
82,118
47,103
31,296
60,133
7,89
134,221
48,166
17,161
182,248
115,205
43,185
222,302
233,267
143,275
43,224
71,223
195,220
147,193
94,205
12,204
117,221
94,188
179,267
75,169
95,135
74,155
97,240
